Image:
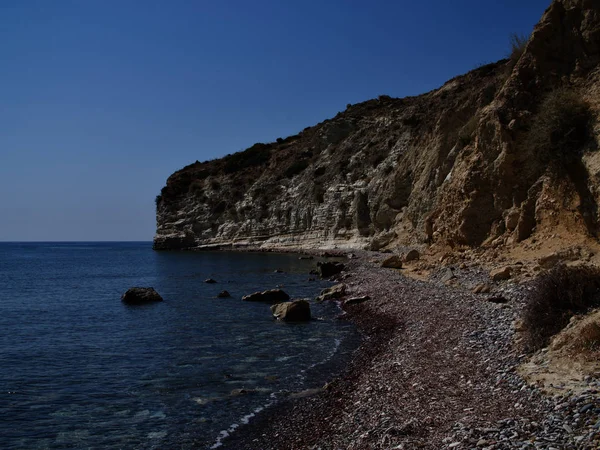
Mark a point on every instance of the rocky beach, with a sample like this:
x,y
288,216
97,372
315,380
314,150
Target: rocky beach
x,y
471,212
438,368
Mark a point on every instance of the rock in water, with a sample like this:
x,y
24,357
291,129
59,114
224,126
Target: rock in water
x,y
329,269
271,296
223,294
393,262
210,281
296,311
139,295
337,291
357,300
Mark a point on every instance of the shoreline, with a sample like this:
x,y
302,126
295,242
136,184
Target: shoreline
x,y
436,369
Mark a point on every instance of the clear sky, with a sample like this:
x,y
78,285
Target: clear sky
x,y
101,100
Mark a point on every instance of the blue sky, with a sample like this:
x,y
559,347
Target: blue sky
x,y
102,100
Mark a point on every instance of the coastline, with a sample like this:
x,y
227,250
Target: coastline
x,y
436,369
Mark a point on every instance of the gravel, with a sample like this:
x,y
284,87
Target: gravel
x,y
437,369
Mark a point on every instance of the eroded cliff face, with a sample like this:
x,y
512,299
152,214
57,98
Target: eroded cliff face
x,y
492,158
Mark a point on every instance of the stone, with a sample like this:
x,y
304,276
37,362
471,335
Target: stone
x,y
393,262
549,261
337,291
586,408
295,311
412,255
278,271
501,273
223,294
305,257
512,219
482,288
210,281
270,296
357,300
329,269
499,299
140,295
447,276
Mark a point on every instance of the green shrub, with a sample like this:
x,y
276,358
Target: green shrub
x,y
256,155
320,171
295,168
556,297
196,187
561,127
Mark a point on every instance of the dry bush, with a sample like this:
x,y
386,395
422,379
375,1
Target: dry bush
x,y
518,42
556,297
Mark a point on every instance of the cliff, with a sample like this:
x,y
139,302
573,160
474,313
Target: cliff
x,y
503,154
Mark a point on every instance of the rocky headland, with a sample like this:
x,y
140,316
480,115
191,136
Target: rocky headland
x,y
467,196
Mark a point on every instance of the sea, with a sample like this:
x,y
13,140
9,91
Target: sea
x,y
81,369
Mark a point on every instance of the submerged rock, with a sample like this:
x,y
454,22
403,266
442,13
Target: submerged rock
x,y
296,311
210,281
270,296
223,294
329,269
139,295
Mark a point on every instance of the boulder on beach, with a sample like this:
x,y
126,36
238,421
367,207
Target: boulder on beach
x,y
501,273
139,295
296,311
393,262
412,255
270,296
223,294
329,269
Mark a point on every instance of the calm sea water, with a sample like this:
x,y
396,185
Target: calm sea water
x,y
79,369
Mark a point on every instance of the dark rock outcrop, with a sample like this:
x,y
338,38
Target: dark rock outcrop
x,y
329,269
223,294
270,296
141,295
296,311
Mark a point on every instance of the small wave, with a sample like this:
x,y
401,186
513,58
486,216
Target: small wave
x,y
273,398
336,345
243,421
